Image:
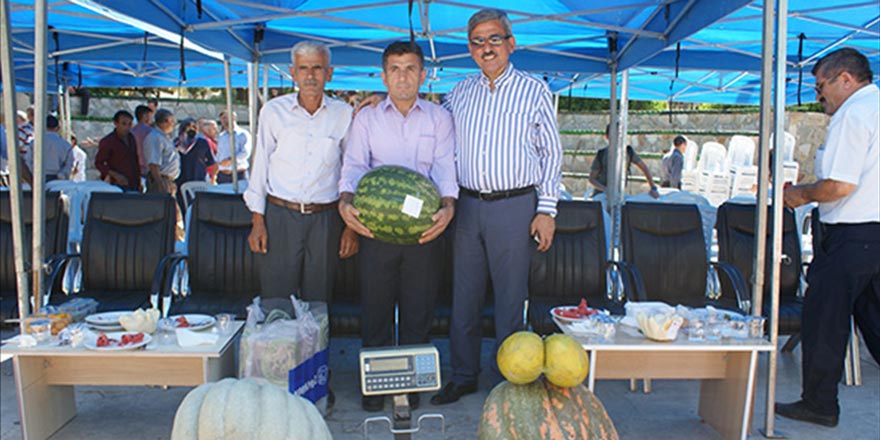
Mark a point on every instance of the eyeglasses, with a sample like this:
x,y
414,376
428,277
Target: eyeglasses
x,y
494,40
821,85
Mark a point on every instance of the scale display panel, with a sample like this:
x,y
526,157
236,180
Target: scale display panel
x,y
397,370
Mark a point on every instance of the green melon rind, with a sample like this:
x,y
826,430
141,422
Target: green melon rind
x,y
379,199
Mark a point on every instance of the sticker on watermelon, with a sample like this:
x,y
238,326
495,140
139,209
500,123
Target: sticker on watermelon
x,y
382,200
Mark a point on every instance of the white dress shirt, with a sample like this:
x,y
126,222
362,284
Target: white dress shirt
x,y
852,154
298,155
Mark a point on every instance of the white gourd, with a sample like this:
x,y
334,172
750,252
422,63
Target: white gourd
x,y
249,408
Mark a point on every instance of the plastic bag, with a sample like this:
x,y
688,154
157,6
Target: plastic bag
x,y
288,351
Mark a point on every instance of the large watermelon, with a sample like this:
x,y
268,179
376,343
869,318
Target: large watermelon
x,y
380,197
541,410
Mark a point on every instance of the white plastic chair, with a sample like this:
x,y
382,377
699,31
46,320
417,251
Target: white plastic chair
x,y
740,153
744,179
690,155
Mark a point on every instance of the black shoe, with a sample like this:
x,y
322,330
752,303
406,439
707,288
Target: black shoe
x,y
800,410
452,392
373,403
414,401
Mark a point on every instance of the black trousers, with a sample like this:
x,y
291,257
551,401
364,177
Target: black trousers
x,y
406,275
302,254
227,178
844,281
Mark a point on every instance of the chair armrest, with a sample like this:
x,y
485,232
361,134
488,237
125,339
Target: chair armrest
x,y
634,286
738,281
162,277
54,266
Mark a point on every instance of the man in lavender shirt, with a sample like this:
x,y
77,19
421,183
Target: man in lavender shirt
x,y
406,131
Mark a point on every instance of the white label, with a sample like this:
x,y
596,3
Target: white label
x,y
412,206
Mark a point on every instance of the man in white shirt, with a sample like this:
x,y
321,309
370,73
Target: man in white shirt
x,y
844,277
242,150
293,189
78,174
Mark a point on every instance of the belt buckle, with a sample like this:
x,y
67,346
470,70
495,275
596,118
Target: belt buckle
x,y
485,196
302,209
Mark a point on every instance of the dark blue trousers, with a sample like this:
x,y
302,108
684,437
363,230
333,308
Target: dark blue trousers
x,y
406,275
844,281
491,240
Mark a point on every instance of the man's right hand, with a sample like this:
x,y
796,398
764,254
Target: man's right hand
x,y
372,101
350,214
258,238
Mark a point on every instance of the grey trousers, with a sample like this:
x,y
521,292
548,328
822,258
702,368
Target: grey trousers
x,y
491,240
302,254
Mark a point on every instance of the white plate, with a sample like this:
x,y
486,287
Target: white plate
x,y
554,313
105,318
91,343
106,328
196,321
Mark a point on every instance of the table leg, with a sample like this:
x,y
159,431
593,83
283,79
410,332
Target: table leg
x,y
726,404
215,369
42,408
591,379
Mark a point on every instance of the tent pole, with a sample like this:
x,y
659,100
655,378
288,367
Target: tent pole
x,y
778,174
39,171
612,167
253,104
765,121
20,251
230,124
68,128
265,84
622,140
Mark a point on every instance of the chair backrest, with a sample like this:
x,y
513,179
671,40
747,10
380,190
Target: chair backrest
x,y
707,211
56,232
712,158
740,152
220,260
665,242
690,155
574,267
736,245
124,238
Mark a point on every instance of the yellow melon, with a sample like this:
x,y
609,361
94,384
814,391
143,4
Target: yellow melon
x,y
521,357
565,361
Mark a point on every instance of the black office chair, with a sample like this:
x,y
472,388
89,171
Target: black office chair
x,y
574,267
55,242
223,275
735,225
126,242
665,245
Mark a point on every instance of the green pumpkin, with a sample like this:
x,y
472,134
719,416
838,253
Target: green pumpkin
x,y
541,410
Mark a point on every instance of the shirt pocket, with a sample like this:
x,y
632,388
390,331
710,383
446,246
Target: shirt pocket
x,y
425,151
329,150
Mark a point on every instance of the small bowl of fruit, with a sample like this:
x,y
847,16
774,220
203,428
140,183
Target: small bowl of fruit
x,y
578,313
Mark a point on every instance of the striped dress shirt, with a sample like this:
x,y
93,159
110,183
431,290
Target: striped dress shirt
x,y
507,138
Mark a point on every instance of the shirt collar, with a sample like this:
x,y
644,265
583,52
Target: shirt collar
x,y
503,78
296,103
386,103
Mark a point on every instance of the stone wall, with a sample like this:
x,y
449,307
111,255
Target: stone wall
x,y
808,129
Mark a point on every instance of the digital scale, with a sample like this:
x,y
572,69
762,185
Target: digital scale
x,y
400,370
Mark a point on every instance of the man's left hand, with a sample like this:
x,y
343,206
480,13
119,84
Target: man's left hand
x,y
543,227
441,220
348,244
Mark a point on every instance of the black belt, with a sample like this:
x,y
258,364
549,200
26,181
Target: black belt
x,y
497,195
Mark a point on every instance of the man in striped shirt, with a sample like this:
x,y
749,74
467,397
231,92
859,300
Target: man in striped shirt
x,y
508,159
